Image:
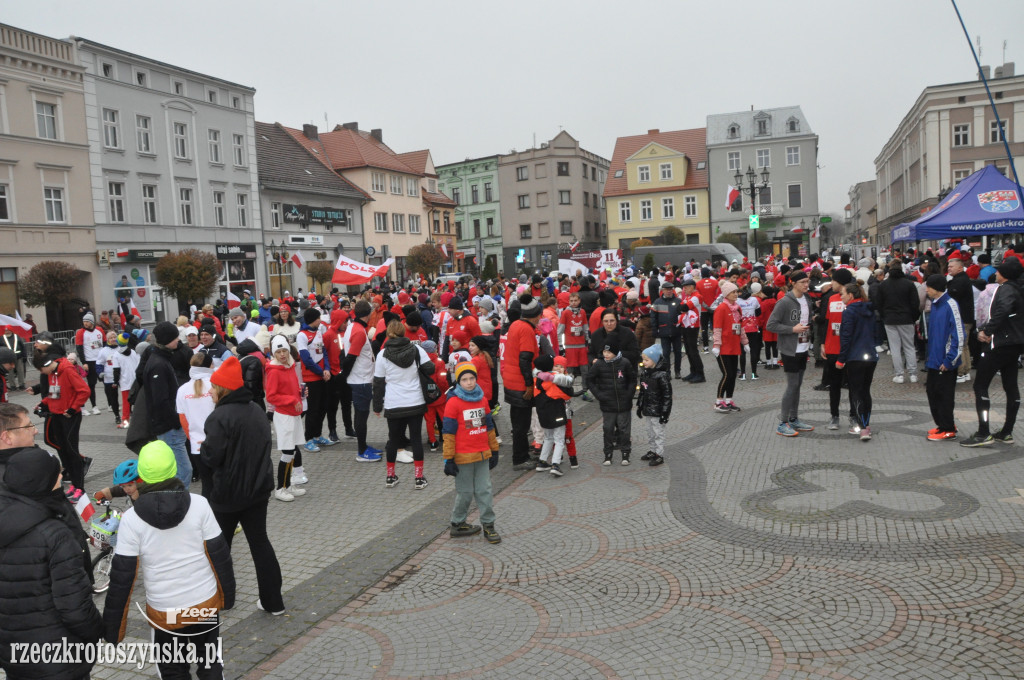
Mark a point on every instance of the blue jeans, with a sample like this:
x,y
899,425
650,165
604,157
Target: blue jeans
x,y
176,440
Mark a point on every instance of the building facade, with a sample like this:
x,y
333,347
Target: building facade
x,y
308,209
863,213
949,133
781,141
173,166
658,180
45,204
473,186
551,197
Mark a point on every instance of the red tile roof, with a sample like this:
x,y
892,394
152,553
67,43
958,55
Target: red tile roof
x,y
417,160
693,143
438,199
347,149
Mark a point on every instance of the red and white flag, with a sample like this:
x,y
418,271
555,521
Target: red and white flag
x,y
351,273
797,230
17,326
731,195
233,300
298,259
123,253
84,508
444,249
574,246
817,232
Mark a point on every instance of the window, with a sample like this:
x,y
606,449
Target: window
x,y
458,229
792,125
218,208
643,173
490,226
108,70
794,195
668,208
377,182
53,199
764,197
524,231
488,192
143,128
522,173
243,216
398,223
214,137
179,88
690,206
181,141
238,144
666,171
524,201
437,224
380,222
764,158
993,131
115,201
476,228
432,186
586,228
474,193
236,102
149,203
566,227
593,173
962,135
563,169
5,208
542,199
734,160
457,195
396,184
540,170
646,211
185,203
960,176
564,197
275,215
211,96
584,171
46,120
619,173
414,224
586,199
111,129
625,211
734,131
412,188
762,126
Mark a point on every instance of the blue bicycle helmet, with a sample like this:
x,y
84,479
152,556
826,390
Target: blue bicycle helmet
x,y
126,472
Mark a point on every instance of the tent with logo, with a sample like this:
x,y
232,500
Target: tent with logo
x,y
983,203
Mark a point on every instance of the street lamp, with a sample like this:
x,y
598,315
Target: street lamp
x,y
752,189
278,256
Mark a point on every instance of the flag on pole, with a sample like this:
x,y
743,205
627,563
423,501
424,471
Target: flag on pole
x,y
123,253
17,326
817,232
233,300
444,248
352,273
17,315
298,259
732,194
574,246
84,507
797,230
283,258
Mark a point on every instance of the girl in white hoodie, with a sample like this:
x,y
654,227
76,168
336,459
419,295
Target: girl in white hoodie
x,y
194,403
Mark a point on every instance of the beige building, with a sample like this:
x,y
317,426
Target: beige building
x,y
45,192
863,212
949,133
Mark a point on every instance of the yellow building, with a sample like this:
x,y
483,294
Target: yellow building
x,y
658,180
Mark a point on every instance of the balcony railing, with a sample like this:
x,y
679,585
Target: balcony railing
x,y
771,210
34,43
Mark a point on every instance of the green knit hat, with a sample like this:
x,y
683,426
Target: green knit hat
x,y
156,462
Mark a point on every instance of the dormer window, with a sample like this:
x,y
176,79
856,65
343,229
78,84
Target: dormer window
x,y
734,131
763,124
762,127
792,125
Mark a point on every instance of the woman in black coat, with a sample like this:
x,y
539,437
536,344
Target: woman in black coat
x,y
45,595
610,326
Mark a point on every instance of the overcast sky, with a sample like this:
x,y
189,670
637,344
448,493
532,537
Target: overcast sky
x,y
468,79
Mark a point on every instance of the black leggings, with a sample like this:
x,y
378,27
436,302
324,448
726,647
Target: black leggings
x,y
754,338
90,378
834,379
113,394
728,364
396,431
859,374
771,349
1004,360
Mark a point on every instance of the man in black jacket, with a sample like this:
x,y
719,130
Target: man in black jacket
x,y
1002,339
961,290
160,384
897,301
665,324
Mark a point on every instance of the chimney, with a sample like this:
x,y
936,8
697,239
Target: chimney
x,y
310,131
377,134
655,131
984,72
998,72
351,126
1009,68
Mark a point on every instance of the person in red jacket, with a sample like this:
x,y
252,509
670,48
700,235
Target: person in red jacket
x,y
707,289
338,391
830,349
67,393
517,357
285,395
729,341
770,340
434,417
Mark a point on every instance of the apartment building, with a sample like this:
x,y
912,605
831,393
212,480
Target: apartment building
x,y
472,185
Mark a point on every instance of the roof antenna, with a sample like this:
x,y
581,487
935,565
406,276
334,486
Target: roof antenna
x,y
326,128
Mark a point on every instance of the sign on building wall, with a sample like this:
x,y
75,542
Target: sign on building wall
x,y
236,251
304,214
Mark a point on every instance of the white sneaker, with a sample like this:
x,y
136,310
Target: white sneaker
x,y
96,410
296,491
898,379
283,495
259,605
299,479
963,378
403,456
124,424
913,377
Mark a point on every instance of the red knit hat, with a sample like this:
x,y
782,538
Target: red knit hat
x,y
955,255
462,337
229,375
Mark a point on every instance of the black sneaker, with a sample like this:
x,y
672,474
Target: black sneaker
x,y
625,459
679,376
86,464
542,466
978,439
734,408
525,465
607,459
434,446
491,534
351,434
657,460
556,470
420,483
463,529
649,455
697,379
575,463
1003,438
391,481
333,436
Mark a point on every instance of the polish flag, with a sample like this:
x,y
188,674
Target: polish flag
x,y
574,246
349,272
84,508
122,253
233,300
731,195
797,230
444,249
298,259
817,232
17,326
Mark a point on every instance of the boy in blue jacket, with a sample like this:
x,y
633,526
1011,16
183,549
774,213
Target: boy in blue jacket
x,y
945,349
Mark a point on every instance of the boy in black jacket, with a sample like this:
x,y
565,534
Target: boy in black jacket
x,y
613,382
654,402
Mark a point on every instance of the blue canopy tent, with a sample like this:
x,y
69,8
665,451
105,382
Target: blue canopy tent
x,y
983,203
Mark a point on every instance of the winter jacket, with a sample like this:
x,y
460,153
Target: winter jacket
x,y
896,299
614,383
945,335
399,367
857,333
283,388
467,430
665,317
655,399
521,349
237,451
962,291
1006,315
550,400
68,389
627,345
157,376
45,593
253,363
588,300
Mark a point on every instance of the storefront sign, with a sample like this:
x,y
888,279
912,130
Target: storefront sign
x,y
236,251
146,255
304,214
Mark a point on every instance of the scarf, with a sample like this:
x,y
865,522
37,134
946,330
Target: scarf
x,y
476,394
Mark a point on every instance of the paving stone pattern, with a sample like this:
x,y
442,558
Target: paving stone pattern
x,y
747,555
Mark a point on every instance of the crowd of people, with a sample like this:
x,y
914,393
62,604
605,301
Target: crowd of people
x,y
209,397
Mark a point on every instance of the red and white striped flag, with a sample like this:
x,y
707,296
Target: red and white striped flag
x,y
574,246
233,300
817,232
17,326
797,230
123,253
731,194
84,508
298,259
444,248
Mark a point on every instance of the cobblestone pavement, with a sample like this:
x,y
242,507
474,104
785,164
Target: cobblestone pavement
x,y
747,555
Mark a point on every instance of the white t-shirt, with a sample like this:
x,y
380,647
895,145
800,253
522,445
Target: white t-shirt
x,y
195,409
108,358
803,342
174,565
92,343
